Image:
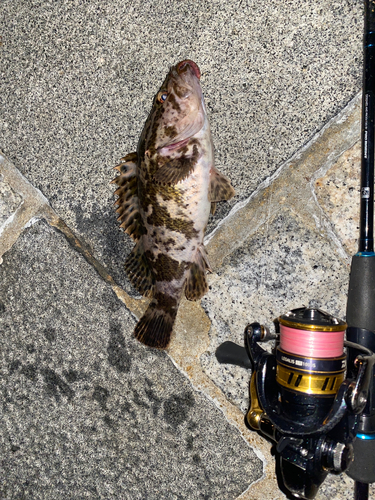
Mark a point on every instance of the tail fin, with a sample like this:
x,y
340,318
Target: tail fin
x,y
155,327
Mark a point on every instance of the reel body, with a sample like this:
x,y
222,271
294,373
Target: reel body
x,y
302,397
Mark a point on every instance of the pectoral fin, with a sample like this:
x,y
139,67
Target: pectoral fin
x,y
175,171
220,187
127,201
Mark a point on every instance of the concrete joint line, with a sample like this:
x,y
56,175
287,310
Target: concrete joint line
x,y
30,207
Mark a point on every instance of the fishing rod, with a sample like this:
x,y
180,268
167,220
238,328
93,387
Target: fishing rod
x,y
313,395
360,312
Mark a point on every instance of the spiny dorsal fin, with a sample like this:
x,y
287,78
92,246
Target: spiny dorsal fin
x,y
220,187
196,283
139,271
127,201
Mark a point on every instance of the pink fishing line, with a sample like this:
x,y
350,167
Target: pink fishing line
x,y
311,344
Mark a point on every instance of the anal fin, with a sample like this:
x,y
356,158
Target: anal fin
x,y
196,283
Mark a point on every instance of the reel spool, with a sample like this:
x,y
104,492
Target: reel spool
x,y
310,362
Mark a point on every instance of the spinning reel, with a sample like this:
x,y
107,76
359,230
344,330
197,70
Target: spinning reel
x,y
306,395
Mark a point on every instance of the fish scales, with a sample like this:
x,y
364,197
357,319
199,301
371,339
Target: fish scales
x,y
166,191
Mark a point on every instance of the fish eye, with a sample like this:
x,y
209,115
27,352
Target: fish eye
x,y
162,96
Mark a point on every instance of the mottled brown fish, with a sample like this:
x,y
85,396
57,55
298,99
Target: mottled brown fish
x,y
166,191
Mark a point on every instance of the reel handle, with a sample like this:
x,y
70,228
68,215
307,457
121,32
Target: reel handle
x,y
233,354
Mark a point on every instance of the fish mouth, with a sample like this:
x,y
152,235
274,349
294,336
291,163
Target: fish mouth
x,y
175,145
183,65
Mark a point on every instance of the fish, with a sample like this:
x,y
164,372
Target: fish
x,y
165,192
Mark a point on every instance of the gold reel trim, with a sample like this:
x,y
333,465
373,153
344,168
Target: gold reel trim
x,y
316,384
341,327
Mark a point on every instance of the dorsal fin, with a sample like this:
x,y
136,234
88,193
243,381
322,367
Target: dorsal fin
x,y
127,201
139,271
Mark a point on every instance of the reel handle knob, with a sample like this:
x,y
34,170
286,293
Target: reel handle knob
x,y
233,354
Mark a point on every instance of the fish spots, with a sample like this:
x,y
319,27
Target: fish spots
x,y
170,131
161,217
173,102
169,243
170,193
165,268
167,303
153,127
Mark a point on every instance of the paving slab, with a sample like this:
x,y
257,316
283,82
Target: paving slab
x,y
338,193
77,80
88,412
9,201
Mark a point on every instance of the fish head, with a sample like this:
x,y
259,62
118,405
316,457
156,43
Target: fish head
x,y
178,111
